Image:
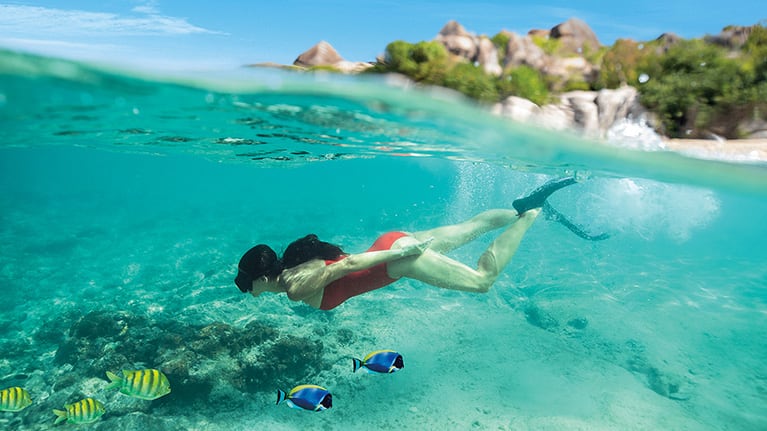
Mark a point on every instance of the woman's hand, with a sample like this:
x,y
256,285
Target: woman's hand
x,y
417,248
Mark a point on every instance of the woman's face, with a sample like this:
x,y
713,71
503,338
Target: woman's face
x,y
260,285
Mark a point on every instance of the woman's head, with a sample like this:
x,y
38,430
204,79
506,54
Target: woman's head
x,y
257,262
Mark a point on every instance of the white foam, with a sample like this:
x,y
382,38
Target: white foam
x,y
649,209
635,134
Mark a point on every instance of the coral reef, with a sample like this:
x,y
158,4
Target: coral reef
x,y
207,364
195,358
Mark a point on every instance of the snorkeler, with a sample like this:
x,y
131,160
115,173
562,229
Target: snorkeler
x,y
323,276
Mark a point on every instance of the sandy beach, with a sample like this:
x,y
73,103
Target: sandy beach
x,y
753,150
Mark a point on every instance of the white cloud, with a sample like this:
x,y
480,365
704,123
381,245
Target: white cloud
x,y
15,19
147,7
48,44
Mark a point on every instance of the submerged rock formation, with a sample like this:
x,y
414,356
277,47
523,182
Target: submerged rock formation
x,y
199,360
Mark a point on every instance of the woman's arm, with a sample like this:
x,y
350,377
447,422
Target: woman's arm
x,y
360,261
307,282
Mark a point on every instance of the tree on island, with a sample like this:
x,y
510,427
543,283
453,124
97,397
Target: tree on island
x,y
696,87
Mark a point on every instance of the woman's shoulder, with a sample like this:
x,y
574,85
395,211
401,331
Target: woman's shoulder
x,y
309,264
310,275
301,270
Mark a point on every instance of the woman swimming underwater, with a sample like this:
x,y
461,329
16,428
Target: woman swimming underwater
x,y
324,276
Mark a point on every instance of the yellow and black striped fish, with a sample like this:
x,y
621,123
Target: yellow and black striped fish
x,y
144,384
14,399
82,412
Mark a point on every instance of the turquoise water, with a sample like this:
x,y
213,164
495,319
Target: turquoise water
x,y
128,199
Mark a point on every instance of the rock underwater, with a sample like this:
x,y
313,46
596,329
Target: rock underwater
x,y
214,364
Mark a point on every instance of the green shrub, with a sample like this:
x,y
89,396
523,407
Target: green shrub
x,y
755,49
594,55
323,68
424,62
692,86
577,85
697,85
524,81
501,42
472,81
549,45
619,64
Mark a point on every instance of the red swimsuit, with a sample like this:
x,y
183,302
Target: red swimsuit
x,y
362,281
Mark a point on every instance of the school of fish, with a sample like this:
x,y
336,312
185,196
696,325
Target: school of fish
x,y
150,384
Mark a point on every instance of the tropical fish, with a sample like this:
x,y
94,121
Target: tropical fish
x,y
380,361
82,412
147,384
14,399
308,397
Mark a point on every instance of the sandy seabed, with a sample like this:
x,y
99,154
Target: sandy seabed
x,y
494,368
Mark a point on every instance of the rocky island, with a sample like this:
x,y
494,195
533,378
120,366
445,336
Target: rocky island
x,y
701,91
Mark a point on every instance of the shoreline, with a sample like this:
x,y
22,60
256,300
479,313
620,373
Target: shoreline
x,y
744,150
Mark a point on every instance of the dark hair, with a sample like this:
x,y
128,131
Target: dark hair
x,y
308,248
258,261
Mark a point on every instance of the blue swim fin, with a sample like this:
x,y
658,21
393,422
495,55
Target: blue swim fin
x,y
357,364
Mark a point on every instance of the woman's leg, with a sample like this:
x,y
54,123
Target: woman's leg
x,y
439,270
447,238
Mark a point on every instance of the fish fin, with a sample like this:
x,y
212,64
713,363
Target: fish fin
x,y
61,415
115,380
356,364
281,395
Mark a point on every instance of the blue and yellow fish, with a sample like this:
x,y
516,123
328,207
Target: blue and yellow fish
x,y
380,361
84,411
144,384
14,399
308,397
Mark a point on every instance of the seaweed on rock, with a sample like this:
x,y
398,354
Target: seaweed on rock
x,y
196,358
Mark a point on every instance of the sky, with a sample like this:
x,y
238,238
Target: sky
x,y
205,35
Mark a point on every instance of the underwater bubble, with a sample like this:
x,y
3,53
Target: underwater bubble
x,y
650,209
643,78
